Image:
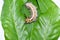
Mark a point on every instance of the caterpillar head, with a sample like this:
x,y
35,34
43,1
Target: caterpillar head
x,y
28,20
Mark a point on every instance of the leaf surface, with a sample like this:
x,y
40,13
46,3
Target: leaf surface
x,y
46,26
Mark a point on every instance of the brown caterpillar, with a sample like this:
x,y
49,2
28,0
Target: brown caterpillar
x,y
33,13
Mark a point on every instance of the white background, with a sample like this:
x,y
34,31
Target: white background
x,y
1,29
57,2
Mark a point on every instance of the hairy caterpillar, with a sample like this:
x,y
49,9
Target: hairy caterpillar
x,y
33,13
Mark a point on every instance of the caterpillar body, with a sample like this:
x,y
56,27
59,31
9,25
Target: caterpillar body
x,y
33,13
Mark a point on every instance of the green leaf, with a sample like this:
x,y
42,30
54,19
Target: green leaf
x,y
46,26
